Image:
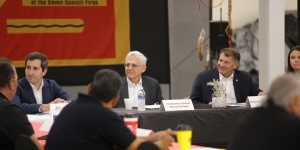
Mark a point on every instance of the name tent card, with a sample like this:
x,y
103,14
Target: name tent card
x,y
254,101
53,106
175,105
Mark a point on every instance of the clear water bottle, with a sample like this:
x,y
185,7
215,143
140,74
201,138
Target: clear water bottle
x,y
56,112
141,100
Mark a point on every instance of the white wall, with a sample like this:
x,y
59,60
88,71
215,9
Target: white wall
x,y
184,30
244,11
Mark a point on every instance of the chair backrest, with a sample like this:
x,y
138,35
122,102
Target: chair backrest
x,y
23,142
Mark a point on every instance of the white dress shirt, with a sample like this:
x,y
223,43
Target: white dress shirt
x,y
38,94
133,90
228,83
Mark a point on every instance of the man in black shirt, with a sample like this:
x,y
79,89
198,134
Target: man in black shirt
x,y
88,122
276,125
13,121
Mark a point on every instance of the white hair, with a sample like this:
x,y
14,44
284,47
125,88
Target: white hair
x,y
282,89
141,57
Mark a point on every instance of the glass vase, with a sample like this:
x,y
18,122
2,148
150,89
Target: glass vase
x,y
218,102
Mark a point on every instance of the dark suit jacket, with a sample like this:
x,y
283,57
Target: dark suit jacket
x,y
150,86
26,100
267,128
242,83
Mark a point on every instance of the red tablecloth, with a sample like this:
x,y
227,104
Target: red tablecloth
x,y
38,133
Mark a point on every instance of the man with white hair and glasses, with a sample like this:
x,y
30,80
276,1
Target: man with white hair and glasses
x,y
275,125
134,81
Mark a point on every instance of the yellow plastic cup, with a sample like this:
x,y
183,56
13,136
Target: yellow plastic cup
x,y
184,138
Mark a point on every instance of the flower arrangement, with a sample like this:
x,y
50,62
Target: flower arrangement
x,y
218,88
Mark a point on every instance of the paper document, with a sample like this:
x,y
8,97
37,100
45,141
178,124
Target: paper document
x,y
46,126
152,106
235,104
143,132
38,118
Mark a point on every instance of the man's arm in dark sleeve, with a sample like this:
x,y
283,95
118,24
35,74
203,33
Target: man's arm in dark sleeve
x,y
254,90
15,122
116,132
148,146
60,93
196,94
158,93
28,108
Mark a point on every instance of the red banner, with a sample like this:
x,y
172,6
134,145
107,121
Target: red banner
x,y
69,32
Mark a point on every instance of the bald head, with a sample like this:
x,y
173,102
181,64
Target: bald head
x,y
283,88
285,93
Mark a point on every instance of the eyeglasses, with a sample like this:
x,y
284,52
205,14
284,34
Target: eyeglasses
x,y
132,65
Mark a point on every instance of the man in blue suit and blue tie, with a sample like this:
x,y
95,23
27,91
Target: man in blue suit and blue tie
x,y
239,84
34,93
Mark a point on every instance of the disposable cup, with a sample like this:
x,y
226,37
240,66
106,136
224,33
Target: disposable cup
x,y
184,136
131,121
128,103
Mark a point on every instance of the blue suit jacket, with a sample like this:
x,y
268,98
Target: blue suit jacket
x,y
242,83
150,86
26,100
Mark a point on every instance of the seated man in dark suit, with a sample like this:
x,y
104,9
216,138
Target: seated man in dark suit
x,y
13,120
275,125
89,123
239,84
135,65
35,93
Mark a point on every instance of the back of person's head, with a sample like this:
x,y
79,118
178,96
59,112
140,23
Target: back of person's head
x,y
295,48
142,58
7,72
282,89
230,52
106,85
40,56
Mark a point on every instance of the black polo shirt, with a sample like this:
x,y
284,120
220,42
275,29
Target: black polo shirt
x,y
13,122
86,124
267,128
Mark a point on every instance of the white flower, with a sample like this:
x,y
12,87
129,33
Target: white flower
x,y
218,88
